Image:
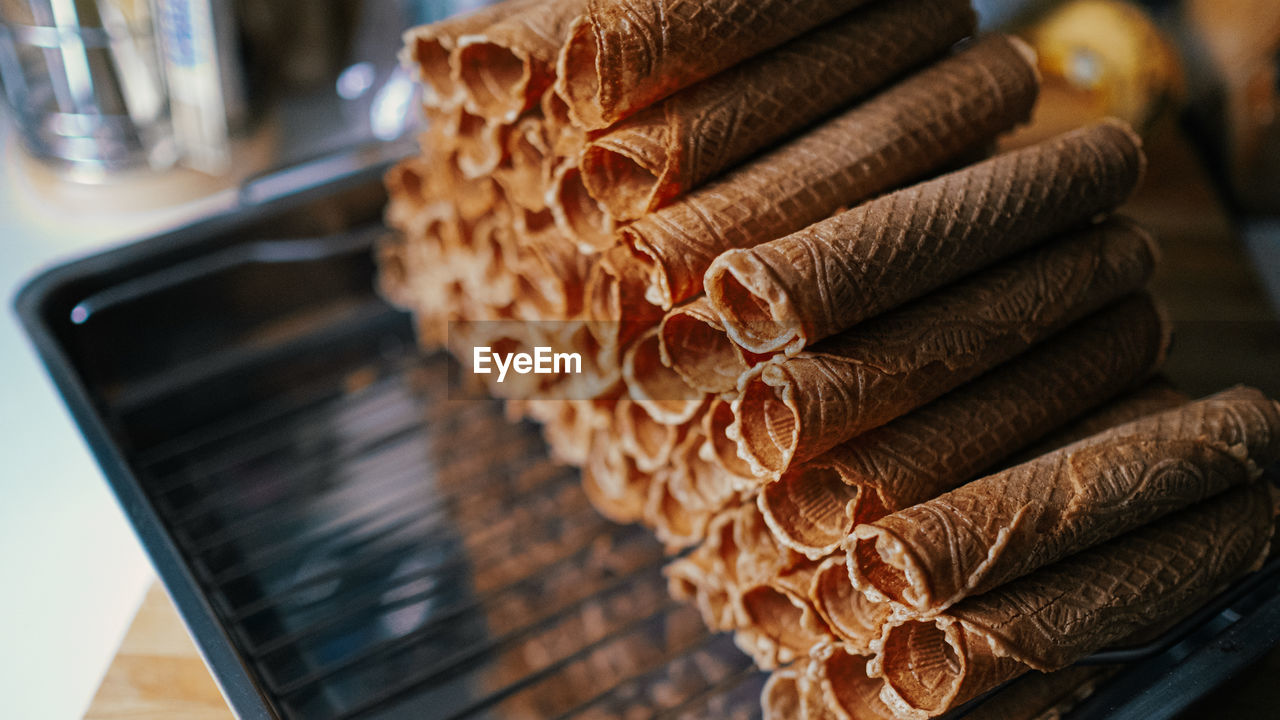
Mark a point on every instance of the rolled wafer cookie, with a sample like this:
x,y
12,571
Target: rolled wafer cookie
x,y
794,410
428,49
855,619
780,624
616,309
578,215
840,680
898,135
793,291
695,346
928,451
720,448
526,174
1063,612
612,482
655,387
623,55
643,438
928,557
676,145
504,68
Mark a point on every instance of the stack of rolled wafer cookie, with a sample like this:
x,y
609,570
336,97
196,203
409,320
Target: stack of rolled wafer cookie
x,y
890,394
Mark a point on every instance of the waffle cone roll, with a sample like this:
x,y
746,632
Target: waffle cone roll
x,y
1057,615
578,215
616,309
967,431
851,616
928,557
428,49
504,68
678,144
525,173
792,411
720,448
901,134
624,56
646,440
614,485
779,622
655,387
677,525
695,346
796,290
843,686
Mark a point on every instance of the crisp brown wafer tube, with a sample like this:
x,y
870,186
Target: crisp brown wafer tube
x,y
566,139
779,622
623,56
926,452
524,176
667,149
480,145
694,482
851,616
791,292
655,387
843,686
1063,612
578,215
675,524
555,272
645,439
720,448
616,308
695,346
901,134
428,49
703,576
794,410
504,68
612,482
928,557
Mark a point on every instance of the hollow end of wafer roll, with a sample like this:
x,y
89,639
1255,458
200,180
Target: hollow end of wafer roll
x,y
883,567
656,387
426,52
923,667
780,698
615,306
766,425
786,620
847,690
689,581
849,614
810,509
494,78
479,145
756,312
521,174
578,76
620,499
577,214
622,181
676,525
696,347
645,439
722,449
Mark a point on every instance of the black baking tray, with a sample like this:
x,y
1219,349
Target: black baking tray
x,y
344,540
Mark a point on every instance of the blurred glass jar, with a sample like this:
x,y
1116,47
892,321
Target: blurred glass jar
x,y
84,83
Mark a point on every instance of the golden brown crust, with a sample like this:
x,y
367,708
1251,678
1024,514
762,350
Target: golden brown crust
x,y
624,55
676,145
1067,610
967,431
927,557
920,238
796,409
915,126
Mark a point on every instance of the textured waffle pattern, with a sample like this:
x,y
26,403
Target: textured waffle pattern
x,y
1006,525
855,265
883,368
635,52
917,125
1068,610
935,448
701,131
